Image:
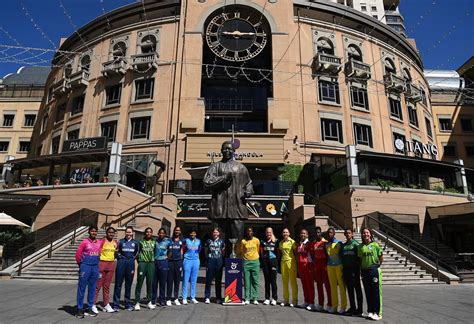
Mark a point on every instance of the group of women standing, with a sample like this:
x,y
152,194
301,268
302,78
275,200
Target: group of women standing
x,y
330,263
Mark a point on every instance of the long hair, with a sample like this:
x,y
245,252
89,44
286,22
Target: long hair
x,y
274,239
370,231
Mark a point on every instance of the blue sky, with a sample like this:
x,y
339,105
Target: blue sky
x,y
442,28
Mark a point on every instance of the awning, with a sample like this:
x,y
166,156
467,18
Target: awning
x,y
453,210
7,220
409,160
13,200
61,158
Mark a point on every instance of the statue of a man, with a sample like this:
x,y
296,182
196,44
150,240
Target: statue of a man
x,y
230,184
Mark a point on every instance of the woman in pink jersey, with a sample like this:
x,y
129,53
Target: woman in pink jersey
x,y
87,257
108,254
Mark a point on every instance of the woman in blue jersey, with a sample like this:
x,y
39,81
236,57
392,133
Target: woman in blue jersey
x,y
192,247
175,266
128,249
215,249
161,267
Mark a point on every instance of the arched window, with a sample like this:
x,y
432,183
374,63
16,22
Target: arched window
x,y
67,70
406,74
148,44
85,62
119,50
354,53
325,46
389,66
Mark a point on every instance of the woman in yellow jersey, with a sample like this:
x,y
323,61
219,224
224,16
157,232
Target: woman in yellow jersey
x,y
334,253
108,253
250,248
288,266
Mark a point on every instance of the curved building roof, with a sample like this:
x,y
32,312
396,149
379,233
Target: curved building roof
x,y
444,79
30,75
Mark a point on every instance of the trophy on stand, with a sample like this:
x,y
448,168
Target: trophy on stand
x,y
233,255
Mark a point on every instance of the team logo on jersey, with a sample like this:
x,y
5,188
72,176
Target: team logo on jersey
x,y
133,244
375,279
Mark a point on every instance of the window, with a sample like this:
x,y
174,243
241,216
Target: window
x,y
144,89
363,135
363,8
24,146
8,120
429,130
449,150
60,112
331,130
375,16
55,145
373,8
397,136
72,135
77,105
113,94
424,100
109,130
359,98
29,120
4,146
395,108
469,150
325,46
466,124
44,123
140,128
412,116
445,124
328,91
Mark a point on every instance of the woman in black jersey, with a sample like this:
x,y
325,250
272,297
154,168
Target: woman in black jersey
x,y
268,247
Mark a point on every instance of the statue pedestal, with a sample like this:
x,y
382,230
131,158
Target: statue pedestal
x,y
233,282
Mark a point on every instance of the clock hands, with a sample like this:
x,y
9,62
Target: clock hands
x,y
237,34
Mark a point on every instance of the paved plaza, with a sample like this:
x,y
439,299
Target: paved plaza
x,y
31,301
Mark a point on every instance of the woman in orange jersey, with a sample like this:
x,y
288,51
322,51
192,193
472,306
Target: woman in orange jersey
x,y
106,269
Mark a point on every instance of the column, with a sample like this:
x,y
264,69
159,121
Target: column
x,y
114,163
352,168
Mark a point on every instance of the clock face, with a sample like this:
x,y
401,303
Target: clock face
x,y
236,36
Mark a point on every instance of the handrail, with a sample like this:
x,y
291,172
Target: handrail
x,y
130,211
430,254
38,244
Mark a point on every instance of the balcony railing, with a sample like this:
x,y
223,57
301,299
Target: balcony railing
x,y
413,93
358,70
327,63
394,83
116,66
79,79
145,61
226,105
61,87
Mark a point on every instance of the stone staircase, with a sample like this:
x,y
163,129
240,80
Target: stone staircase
x,y
395,272
61,266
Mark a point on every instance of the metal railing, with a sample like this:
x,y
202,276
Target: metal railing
x,y
229,104
128,213
411,245
46,236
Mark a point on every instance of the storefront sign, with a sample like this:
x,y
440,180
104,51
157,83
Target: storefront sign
x,y
85,144
416,147
257,207
238,155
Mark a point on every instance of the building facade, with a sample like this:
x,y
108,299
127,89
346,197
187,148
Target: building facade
x,y
21,94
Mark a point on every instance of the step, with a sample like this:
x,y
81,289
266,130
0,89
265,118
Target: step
x,y
53,267
47,277
411,282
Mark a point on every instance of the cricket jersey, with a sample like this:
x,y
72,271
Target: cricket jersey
x,y
147,251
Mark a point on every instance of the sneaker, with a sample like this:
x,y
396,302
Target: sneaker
x,y
150,305
370,315
331,310
266,302
348,312
168,303
80,314
185,301
318,308
219,301
116,310
194,301
273,302
282,304
94,309
376,317
109,309
207,301
130,308
310,307
341,312
176,302
292,305
358,313
136,307
304,305
247,302
255,302
90,313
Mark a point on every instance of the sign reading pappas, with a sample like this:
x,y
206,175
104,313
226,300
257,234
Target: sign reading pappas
x,y
85,144
233,282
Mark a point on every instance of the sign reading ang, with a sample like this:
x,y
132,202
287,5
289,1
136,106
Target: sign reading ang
x,y
257,207
416,147
85,144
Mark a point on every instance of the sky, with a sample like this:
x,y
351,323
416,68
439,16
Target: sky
x,y
443,29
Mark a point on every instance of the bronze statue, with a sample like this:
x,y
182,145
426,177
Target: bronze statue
x,y
230,185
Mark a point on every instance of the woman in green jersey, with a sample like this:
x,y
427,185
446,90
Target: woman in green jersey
x,y
371,258
146,268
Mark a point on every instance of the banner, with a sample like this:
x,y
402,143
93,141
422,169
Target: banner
x,y
233,282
